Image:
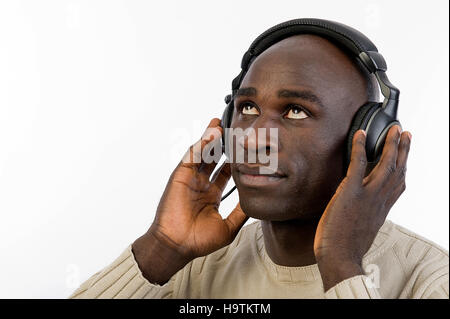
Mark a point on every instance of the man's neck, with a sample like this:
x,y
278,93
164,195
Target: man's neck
x,y
290,243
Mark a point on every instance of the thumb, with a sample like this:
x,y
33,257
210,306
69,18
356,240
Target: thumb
x,y
235,220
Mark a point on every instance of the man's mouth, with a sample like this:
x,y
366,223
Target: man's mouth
x,y
258,175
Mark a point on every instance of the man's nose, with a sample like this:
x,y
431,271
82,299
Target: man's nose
x,y
262,136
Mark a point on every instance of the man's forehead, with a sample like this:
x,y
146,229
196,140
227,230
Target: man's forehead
x,y
300,53
305,60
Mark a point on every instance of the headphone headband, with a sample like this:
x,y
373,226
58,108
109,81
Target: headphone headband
x,y
356,42
373,117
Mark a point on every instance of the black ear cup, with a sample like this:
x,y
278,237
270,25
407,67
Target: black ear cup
x,y
360,121
226,122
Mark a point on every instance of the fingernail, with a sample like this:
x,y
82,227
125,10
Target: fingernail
x,y
399,129
364,132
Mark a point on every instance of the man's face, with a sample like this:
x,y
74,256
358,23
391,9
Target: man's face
x,y
309,90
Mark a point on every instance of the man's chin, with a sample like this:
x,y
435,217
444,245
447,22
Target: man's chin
x,y
271,209
279,203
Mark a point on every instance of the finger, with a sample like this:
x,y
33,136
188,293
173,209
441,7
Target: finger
x,y
211,152
193,157
403,151
358,159
222,176
235,220
387,165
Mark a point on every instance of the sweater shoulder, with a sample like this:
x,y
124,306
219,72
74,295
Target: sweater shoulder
x,y
409,244
425,265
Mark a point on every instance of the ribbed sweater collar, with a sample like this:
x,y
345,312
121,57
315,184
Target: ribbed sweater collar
x,y
288,274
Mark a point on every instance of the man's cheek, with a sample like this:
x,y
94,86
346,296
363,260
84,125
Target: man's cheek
x,y
234,172
298,162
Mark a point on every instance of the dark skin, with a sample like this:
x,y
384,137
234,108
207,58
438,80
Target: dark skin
x,y
316,142
317,212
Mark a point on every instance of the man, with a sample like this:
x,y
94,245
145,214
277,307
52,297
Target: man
x,y
321,230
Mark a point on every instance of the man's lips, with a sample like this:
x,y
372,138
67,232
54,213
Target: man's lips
x,y
255,175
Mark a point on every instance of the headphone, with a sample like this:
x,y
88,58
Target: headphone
x,y
374,117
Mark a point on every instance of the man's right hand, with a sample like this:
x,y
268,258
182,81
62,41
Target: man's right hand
x,y
187,222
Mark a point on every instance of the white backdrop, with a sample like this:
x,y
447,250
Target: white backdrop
x,y
99,100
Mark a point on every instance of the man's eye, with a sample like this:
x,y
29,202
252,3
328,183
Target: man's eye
x,y
296,113
249,109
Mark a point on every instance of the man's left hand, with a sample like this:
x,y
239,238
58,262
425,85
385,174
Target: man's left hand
x,y
359,207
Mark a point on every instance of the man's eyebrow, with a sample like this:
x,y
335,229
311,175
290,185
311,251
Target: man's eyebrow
x,y
302,94
248,91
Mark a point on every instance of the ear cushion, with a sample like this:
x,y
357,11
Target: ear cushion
x,y
226,121
360,121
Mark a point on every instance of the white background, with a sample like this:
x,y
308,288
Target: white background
x,y
99,100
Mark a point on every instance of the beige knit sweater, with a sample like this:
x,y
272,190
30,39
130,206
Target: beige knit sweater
x,y
400,264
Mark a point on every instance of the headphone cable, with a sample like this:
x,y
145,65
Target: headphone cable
x,y
228,194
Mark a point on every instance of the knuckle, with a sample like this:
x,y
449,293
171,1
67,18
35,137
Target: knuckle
x,y
360,159
358,192
401,171
392,142
393,139
360,141
405,144
390,169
